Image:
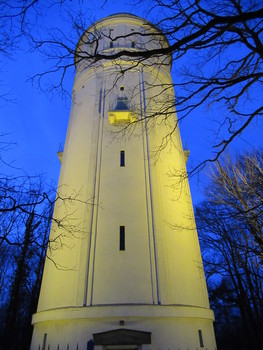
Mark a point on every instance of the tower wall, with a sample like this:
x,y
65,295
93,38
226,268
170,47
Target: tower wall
x,y
156,284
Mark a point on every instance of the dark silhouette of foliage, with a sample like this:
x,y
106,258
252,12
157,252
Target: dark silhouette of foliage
x,y
230,228
23,243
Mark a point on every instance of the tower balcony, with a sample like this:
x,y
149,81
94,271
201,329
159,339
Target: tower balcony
x,y
121,112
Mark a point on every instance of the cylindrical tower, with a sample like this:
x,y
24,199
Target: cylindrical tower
x,y
125,271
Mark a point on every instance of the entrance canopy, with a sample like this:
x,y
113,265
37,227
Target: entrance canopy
x,y
122,337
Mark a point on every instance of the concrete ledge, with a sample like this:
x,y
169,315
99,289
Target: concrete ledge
x,y
123,311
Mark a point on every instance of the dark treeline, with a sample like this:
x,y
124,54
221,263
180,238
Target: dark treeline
x,y
230,228
25,217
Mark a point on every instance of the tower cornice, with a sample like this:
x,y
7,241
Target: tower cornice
x,y
119,19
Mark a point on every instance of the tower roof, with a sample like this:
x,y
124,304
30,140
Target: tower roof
x,y
122,16
127,15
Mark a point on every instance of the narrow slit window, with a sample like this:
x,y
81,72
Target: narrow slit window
x,y
111,44
44,341
201,338
122,158
132,44
122,237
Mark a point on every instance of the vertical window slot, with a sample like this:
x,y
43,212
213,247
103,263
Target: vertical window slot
x,y
44,341
201,338
132,44
122,237
122,158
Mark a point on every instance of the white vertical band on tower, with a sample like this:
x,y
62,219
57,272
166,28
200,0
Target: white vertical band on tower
x,y
102,102
95,200
146,192
150,190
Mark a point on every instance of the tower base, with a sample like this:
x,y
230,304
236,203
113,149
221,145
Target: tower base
x,y
143,327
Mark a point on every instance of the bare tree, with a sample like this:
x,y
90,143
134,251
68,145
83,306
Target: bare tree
x,y
230,228
24,234
26,215
17,197
217,53
216,49
238,189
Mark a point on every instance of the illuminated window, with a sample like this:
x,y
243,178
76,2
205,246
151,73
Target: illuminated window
x,y
122,237
201,338
121,110
122,158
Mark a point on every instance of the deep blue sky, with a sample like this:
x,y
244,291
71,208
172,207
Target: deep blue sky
x,y
36,121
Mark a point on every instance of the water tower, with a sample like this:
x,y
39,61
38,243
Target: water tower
x,y
127,272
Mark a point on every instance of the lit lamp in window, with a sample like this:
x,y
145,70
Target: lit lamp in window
x,y
122,112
